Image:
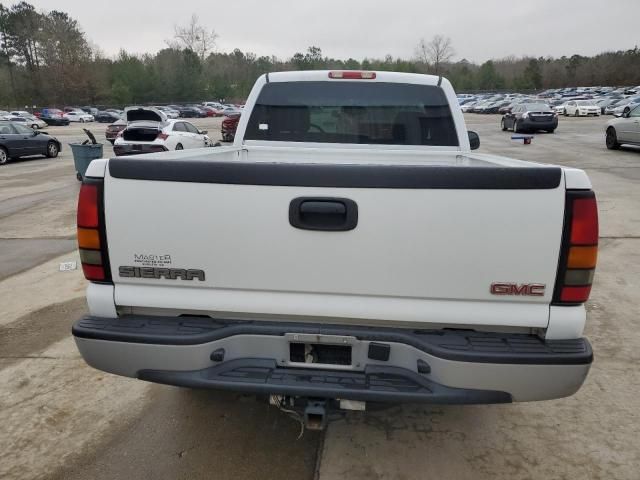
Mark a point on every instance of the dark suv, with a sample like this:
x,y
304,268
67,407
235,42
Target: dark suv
x,y
530,117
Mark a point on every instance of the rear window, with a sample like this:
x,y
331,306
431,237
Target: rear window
x,y
352,112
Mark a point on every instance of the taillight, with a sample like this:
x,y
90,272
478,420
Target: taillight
x,y
162,136
579,251
352,75
92,243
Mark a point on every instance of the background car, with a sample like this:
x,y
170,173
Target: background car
x,y
625,129
53,116
216,105
189,112
229,126
107,117
625,106
17,140
31,120
581,108
201,112
90,110
114,129
81,117
169,112
212,112
149,130
231,110
530,117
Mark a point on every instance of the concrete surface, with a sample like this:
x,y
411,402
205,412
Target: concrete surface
x,y
60,419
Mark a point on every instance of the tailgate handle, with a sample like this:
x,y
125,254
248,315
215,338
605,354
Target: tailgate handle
x,y
323,213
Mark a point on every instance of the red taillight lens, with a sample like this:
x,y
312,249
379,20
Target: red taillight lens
x,y
162,136
579,249
94,273
91,235
88,206
352,75
575,294
584,222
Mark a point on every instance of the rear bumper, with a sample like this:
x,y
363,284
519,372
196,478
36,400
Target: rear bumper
x,y
539,125
56,121
457,367
137,149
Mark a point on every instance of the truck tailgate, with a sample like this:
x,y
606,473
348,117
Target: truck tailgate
x,y
428,243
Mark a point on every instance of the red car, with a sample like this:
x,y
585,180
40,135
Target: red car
x,y
114,129
212,112
229,126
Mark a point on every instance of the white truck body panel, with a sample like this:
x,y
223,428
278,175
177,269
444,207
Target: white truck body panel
x,y
435,268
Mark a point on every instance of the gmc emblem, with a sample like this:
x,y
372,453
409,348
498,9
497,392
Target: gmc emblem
x,y
530,289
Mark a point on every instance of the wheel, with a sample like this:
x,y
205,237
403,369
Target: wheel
x,y
516,129
34,126
575,113
612,139
502,125
179,147
564,112
4,156
52,150
82,120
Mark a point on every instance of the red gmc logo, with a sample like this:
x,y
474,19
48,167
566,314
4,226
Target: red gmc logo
x,y
530,289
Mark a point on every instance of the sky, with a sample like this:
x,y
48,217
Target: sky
x,y
479,30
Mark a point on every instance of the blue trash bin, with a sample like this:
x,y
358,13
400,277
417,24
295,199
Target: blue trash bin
x,y
83,154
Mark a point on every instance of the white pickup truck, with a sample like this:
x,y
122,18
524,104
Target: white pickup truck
x,y
348,248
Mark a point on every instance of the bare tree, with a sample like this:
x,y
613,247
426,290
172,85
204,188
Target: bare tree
x,y
438,51
422,52
195,37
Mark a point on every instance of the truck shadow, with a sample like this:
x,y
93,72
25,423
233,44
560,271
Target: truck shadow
x,y
204,434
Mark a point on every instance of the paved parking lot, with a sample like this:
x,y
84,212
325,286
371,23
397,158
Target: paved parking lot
x,y
59,419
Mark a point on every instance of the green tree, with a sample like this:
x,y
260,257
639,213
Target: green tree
x,y
120,93
488,77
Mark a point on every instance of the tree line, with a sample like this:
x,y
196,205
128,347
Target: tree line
x,y
47,59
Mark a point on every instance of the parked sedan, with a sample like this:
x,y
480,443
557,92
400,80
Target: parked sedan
x,y
530,117
189,112
626,106
53,116
33,122
229,126
114,129
201,112
107,117
212,112
149,130
624,129
496,106
28,119
78,117
582,108
468,107
169,112
17,140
